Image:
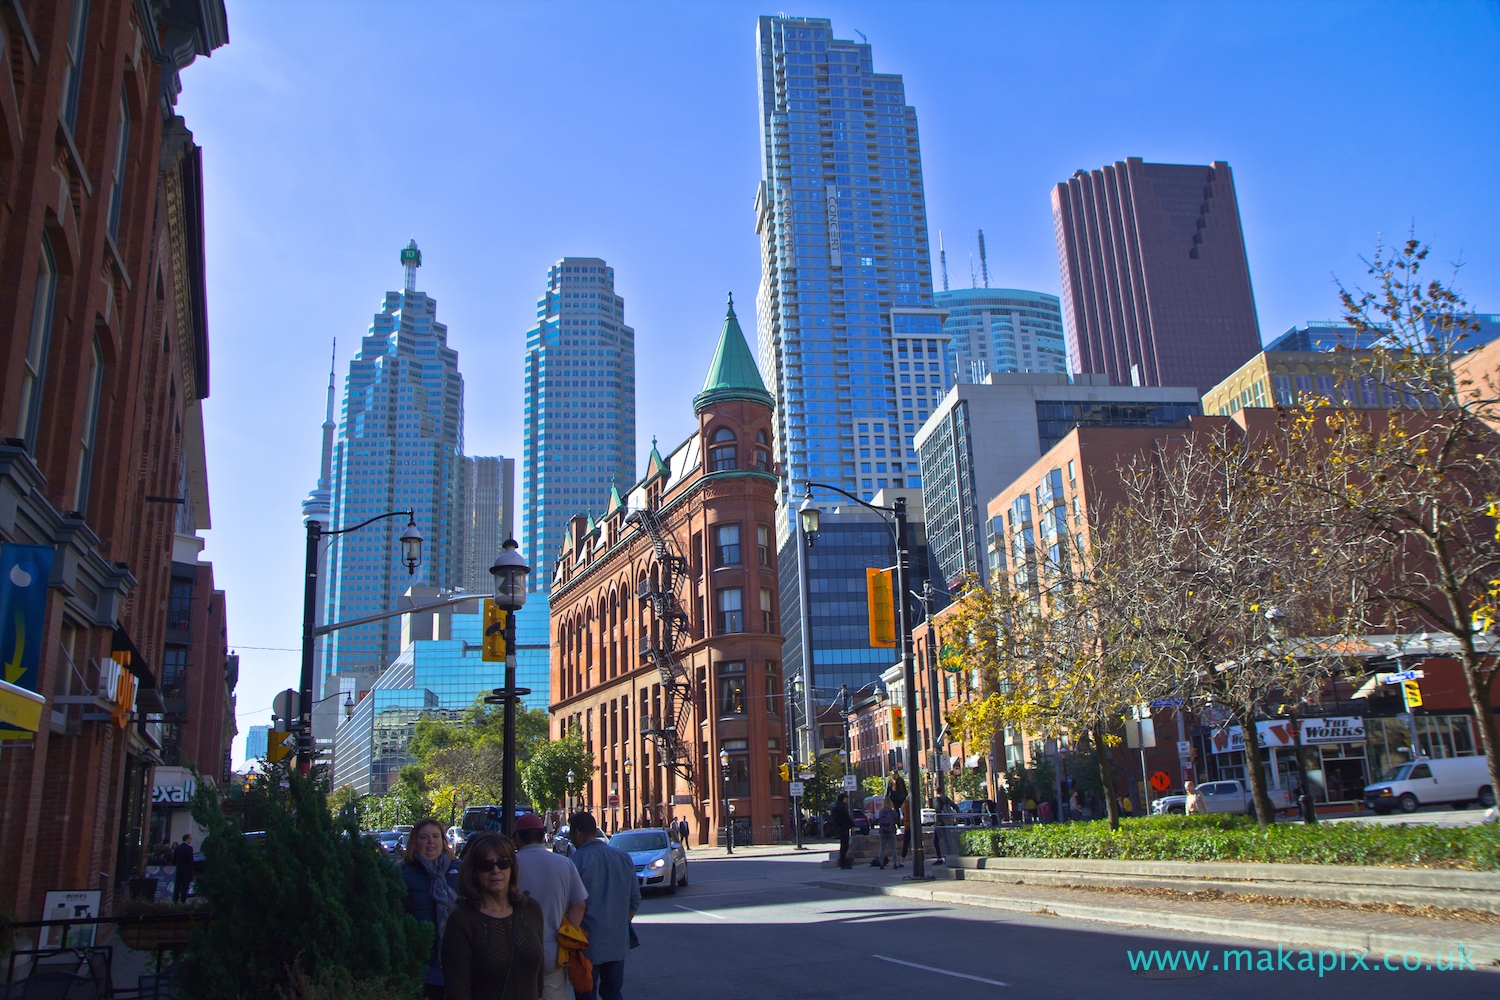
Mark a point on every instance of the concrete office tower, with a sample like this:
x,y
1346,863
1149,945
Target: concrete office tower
x,y
488,519
399,447
849,341
1003,330
1156,287
986,434
578,428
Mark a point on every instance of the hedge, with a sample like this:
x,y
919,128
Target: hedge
x,y
1239,839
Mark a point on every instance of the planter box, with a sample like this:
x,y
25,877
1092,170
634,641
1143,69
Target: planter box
x,y
152,933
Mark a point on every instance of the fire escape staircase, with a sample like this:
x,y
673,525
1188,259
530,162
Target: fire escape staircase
x,y
674,629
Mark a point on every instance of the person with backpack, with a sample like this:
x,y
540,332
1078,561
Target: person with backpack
x,y
885,826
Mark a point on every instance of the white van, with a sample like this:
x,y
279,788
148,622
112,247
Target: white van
x,y
1453,780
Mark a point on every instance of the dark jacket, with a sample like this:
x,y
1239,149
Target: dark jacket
x,y
418,903
842,821
182,857
488,959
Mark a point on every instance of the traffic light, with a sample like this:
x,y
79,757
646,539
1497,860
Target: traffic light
x,y
493,650
1412,692
879,596
276,748
898,724
786,772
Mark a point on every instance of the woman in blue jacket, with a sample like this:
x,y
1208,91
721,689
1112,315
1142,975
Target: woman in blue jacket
x,y
431,875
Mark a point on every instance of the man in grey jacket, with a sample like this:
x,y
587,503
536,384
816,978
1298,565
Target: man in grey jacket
x,y
614,894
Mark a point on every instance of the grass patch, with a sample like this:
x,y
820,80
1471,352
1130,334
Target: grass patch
x,y
1239,839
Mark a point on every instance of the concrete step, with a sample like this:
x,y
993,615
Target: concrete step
x,y
1348,884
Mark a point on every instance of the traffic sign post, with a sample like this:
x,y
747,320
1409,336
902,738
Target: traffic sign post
x,y
850,782
795,789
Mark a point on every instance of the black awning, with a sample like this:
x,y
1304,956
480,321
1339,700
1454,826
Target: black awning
x,y
134,662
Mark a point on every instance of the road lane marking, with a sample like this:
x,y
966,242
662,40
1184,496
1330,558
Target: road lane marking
x,y
941,972
701,913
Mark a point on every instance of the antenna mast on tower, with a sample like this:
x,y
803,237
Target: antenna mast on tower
x,y
411,259
943,259
984,264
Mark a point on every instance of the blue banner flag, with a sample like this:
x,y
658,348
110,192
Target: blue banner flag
x,y
24,573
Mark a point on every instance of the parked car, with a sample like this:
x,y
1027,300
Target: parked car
x,y
1455,781
1222,797
861,824
390,841
660,860
973,812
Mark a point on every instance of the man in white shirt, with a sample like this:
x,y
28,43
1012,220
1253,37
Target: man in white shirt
x,y
553,882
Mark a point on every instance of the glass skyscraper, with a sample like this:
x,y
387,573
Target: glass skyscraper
x,y
849,340
578,425
1003,330
489,517
399,446
432,678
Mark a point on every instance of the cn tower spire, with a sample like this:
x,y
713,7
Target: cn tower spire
x,y
325,470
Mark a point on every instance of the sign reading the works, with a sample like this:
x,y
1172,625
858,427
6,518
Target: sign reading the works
x,y
1278,733
1345,729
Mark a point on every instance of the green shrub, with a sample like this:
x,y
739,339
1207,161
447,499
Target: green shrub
x,y
306,905
1239,839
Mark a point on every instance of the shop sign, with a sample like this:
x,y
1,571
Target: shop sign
x,y
1343,729
178,795
1275,733
76,905
24,572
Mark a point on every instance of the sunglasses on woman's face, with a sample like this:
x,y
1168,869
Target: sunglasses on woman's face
x,y
488,865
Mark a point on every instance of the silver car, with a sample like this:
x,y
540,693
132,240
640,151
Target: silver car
x,y
660,860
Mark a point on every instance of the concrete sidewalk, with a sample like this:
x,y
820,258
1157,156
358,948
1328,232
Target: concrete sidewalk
x,y
1304,924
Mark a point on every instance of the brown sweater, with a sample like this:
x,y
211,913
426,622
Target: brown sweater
x,y
477,953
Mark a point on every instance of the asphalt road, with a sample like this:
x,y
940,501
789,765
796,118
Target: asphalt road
x,y
755,927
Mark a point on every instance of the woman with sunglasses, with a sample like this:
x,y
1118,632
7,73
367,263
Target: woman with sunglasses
x,y
431,876
492,946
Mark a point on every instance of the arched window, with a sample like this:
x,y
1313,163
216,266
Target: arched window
x,y
724,455
762,451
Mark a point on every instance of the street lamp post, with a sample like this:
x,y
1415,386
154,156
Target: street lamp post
x,y
510,572
807,530
411,556
625,799
1277,628
795,768
908,669
724,780
568,798
933,698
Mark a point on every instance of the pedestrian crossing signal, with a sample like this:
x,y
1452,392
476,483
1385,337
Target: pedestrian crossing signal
x,y
276,748
1412,692
880,597
493,645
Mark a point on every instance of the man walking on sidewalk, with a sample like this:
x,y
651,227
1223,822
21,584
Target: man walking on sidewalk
x,y
843,825
614,894
553,881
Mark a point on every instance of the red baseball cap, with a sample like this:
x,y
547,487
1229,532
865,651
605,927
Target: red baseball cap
x,y
530,821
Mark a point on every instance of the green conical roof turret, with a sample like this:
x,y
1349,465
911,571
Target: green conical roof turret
x,y
733,373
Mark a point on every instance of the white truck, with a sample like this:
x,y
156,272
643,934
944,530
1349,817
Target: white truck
x,y
1222,797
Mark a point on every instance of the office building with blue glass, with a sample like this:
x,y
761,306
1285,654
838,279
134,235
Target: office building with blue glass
x,y
398,446
578,418
1003,330
438,674
850,342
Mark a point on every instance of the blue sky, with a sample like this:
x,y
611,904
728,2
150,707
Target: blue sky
x,y
503,136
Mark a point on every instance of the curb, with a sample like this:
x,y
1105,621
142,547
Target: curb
x,y
1486,952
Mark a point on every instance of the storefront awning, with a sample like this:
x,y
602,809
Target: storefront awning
x,y
20,708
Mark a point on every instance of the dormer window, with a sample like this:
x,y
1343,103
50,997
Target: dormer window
x,y
724,454
762,452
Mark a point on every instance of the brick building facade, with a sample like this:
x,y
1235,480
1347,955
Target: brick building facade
x,y
666,644
104,340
